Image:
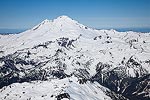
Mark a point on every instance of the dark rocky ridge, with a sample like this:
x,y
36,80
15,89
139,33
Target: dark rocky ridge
x,y
117,80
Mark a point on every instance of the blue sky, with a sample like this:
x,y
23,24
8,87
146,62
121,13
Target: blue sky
x,y
23,14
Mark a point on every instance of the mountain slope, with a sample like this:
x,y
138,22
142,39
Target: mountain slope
x,y
50,90
63,49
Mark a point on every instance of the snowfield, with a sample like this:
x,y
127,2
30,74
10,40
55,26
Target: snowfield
x,y
47,90
62,59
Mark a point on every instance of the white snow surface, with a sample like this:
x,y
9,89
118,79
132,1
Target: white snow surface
x,y
47,90
91,45
124,44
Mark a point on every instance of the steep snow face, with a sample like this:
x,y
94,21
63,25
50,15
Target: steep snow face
x,y
63,48
62,23
61,26
69,88
47,30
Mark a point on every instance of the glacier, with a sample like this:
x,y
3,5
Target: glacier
x,y
62,59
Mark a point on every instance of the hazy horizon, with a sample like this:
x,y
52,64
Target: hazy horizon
x,y
24,14
143,30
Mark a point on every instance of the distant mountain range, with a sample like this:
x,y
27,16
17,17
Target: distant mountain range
x,y
16,31
62,59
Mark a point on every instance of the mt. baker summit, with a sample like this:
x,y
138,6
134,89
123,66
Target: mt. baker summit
x,y
67,60
60,22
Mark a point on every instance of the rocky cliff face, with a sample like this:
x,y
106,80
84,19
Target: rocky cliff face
x,y
66,59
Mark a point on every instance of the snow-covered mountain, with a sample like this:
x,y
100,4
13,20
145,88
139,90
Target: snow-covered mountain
x,y
63,59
